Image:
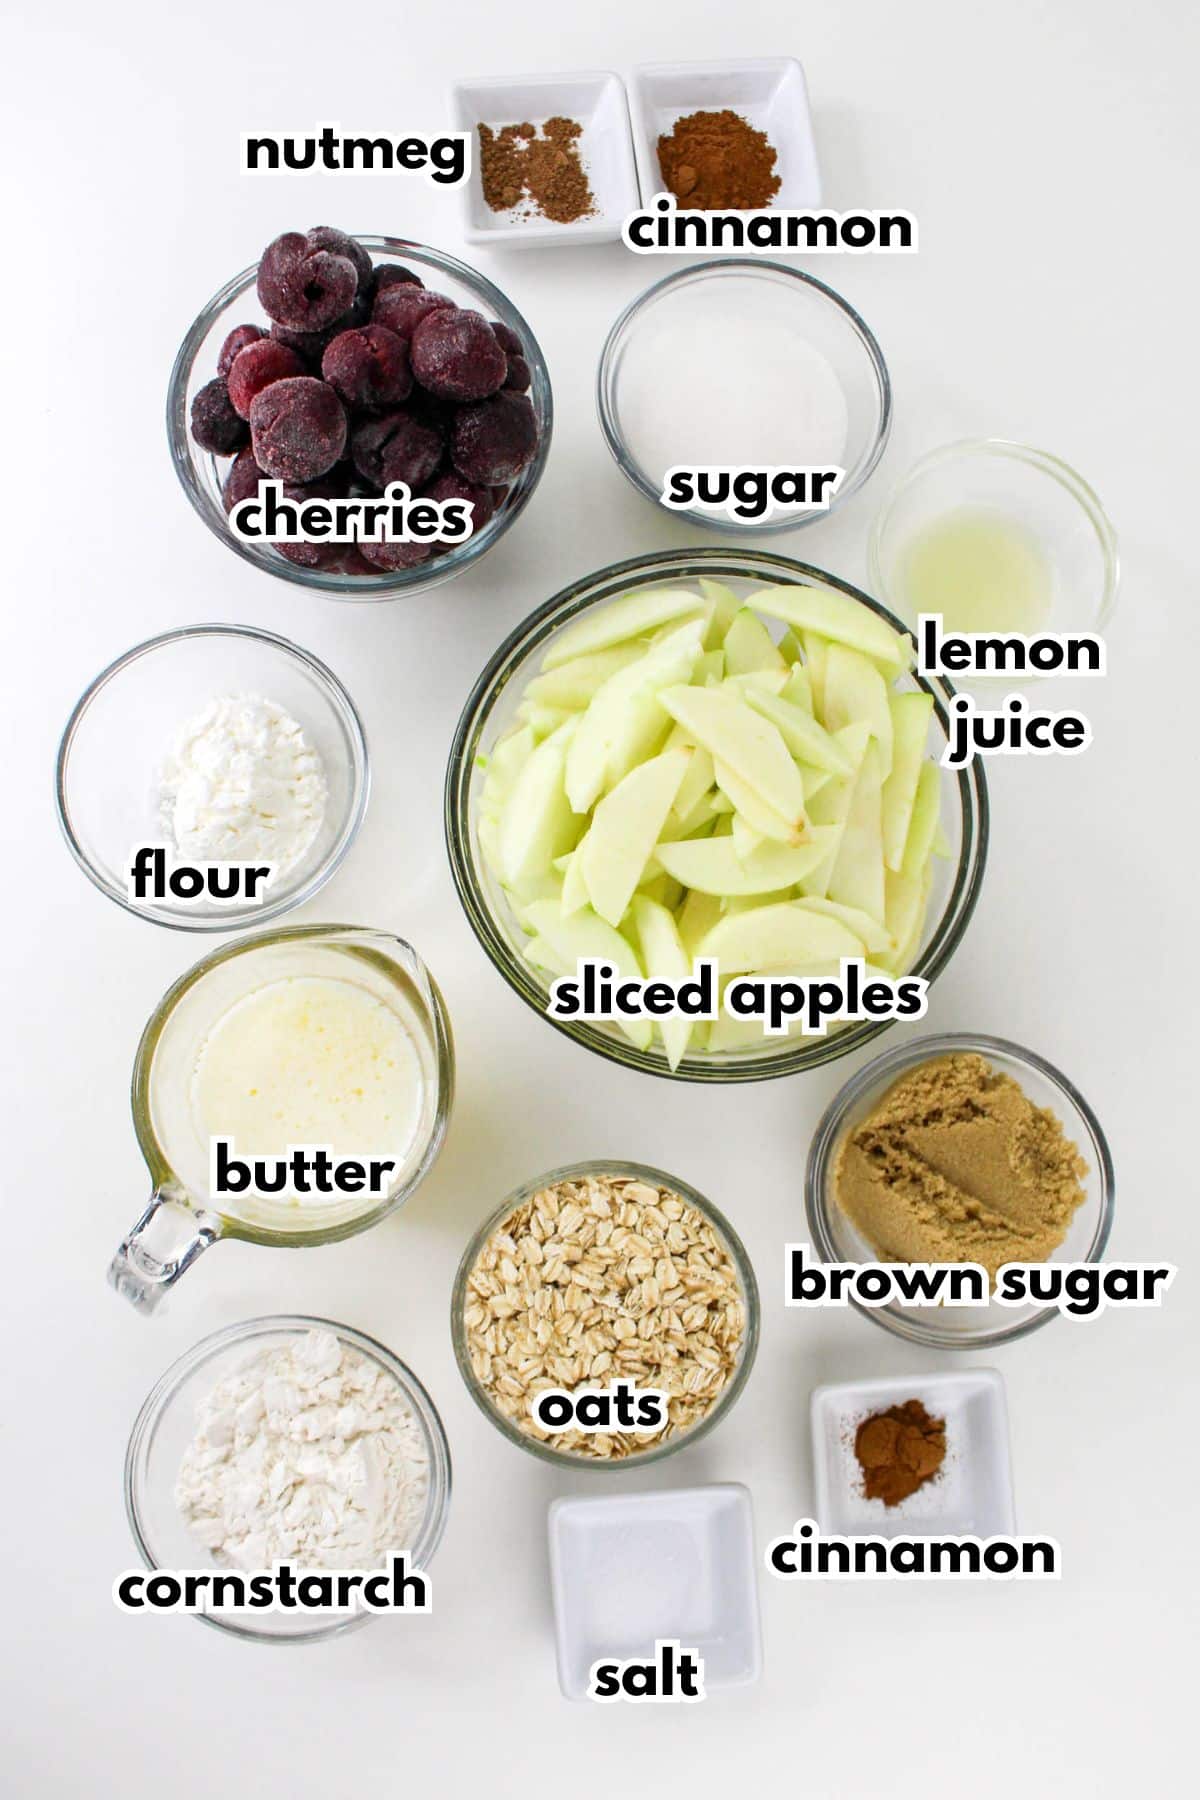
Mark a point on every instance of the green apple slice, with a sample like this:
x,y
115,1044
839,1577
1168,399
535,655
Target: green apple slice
x,y
911,714
624,722
542,720
502,767
832,614
698,777
572,685
696,918
537,823
923,826
798,689
574,887
542,954
625,828
855,691
749,646
765,681
586,935
876,937
631,616
746,743
665,959
771,937
745,839
807,741
857,877
713,866
723,608
741,798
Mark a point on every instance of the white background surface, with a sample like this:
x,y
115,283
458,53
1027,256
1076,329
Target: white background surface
x,y
1050,155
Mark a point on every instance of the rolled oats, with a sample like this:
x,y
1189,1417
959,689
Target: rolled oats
x,y
598,1278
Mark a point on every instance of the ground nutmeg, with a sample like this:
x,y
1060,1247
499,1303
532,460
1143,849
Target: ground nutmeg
x,y
898,1451
715,160
539,171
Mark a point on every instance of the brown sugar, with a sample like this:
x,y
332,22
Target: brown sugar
x,y
537,171
898,1451
716,160
956,1164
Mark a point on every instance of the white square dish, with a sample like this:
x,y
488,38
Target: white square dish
x,y
769,92
971,1495
630,1570
596,101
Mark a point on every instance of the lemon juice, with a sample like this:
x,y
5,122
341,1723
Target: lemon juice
x,y
981,569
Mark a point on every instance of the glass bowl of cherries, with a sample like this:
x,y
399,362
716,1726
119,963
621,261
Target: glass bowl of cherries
x,y
359,369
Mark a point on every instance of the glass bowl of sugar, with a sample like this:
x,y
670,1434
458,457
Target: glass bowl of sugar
x,y
755,379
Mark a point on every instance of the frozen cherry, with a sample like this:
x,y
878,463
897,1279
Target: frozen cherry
x,y
519,377
368,368
402,306
395,275
495,439
449,485
312,345
298,428
239,337
215,424
326,237
387,556
396,447
507,338
242,480
304,289
457,356
256,367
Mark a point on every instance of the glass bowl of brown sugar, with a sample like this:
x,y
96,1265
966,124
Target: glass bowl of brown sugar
x,y
977,1152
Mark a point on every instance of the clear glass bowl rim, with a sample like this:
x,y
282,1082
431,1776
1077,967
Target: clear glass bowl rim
x,y
398,581
167,1386
612,1166
533,632
627,463
163,1176
884,1069
1046,463
235,918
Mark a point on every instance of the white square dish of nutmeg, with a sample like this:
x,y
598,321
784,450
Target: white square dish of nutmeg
x,y
551,159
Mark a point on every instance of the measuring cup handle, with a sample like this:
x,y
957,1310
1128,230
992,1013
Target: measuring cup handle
x,y
143,1276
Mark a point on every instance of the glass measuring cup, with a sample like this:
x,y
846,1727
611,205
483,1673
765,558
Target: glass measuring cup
x,y
180,1220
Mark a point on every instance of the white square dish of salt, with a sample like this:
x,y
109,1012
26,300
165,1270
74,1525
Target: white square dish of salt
x,y
632,1571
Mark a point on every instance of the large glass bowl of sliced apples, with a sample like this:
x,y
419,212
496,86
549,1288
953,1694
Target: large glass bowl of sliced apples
x,y
716,755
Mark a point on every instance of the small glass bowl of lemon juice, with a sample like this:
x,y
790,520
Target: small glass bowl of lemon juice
x,y
996,536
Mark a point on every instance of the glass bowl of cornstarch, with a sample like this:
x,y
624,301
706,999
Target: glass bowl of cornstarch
x,y
285,1440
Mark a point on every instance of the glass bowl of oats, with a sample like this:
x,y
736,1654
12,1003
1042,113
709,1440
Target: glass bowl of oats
x,y
605,1315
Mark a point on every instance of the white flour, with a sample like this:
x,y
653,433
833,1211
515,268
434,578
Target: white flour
x,y
308,1453
242,783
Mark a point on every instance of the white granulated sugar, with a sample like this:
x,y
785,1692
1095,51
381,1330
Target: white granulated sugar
x,y
724,375
310,1454
242,783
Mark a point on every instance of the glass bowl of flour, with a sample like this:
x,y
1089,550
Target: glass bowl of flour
x,y
736,369
287,1439
212,778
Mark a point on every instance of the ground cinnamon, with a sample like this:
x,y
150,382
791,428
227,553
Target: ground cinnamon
x,y
540,172
898,1451
717,160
